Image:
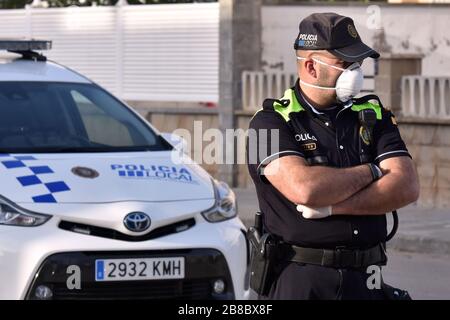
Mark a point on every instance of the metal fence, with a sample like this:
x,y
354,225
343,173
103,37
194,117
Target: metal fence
x,y
166,52
426,97
259,85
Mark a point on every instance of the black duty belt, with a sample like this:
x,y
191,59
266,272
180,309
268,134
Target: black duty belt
x,y
340,257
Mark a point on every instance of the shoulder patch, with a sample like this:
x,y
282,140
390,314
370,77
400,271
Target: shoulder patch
x,y
394,122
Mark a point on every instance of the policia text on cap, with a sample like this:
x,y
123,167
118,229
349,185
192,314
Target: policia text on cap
x,y
341,166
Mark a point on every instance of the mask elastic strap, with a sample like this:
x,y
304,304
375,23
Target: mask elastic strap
x,y
329,65
316,86
323,63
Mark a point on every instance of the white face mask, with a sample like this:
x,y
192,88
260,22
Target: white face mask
x,y
348,84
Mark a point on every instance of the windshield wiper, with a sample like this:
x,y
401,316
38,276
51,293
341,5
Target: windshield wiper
x,y
91,149
72,150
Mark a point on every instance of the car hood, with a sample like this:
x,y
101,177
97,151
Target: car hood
x,y
102,178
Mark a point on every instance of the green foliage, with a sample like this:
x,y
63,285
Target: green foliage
x,y
13,4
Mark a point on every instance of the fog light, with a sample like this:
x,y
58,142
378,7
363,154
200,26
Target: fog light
x,y
43,293
219,286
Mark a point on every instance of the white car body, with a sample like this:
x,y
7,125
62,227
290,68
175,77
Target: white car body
x,y
148,182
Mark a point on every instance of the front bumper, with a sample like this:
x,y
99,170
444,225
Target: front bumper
x,y
203,267
40,255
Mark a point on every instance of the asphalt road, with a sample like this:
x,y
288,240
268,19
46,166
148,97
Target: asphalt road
x,y
425,276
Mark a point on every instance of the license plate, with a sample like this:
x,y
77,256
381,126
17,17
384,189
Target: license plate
x,y
139,269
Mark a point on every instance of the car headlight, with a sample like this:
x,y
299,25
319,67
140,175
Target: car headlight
x,y
225,207
11,215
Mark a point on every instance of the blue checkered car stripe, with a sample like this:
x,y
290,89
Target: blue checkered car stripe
x,y
14,162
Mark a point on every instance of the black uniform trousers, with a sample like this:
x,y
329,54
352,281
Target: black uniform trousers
x,y
310,282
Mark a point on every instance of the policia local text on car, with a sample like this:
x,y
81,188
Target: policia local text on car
x,y
340,167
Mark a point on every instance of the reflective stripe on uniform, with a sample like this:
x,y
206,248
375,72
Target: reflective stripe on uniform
x,y
256,113
294,105
391,152
368,105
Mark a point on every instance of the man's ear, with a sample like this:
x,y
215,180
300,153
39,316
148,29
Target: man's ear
x,y
310,67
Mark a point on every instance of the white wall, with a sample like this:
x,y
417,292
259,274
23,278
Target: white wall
x,y
408,29
140,52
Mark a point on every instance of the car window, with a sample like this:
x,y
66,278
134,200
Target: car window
x,y
69,117
100,127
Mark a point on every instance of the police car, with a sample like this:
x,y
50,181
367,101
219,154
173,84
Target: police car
x,y
96,204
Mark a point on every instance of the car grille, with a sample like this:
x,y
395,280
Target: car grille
x,y
113,234
168,289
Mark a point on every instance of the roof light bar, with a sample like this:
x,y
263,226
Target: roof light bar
x,y
24,45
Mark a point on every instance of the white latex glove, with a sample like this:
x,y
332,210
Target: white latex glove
x,y
314,213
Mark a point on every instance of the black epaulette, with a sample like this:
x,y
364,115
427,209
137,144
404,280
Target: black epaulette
x,y
268,103
367,98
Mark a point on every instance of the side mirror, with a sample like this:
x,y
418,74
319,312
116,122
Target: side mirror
x,y
178,142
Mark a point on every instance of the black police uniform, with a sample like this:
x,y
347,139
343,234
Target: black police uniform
x,y
331,138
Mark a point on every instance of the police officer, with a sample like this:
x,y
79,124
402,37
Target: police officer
x,y
341,165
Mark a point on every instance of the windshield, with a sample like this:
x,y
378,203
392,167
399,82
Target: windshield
x,y
38,117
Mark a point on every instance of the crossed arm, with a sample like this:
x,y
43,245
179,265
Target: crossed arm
x,y
349,191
